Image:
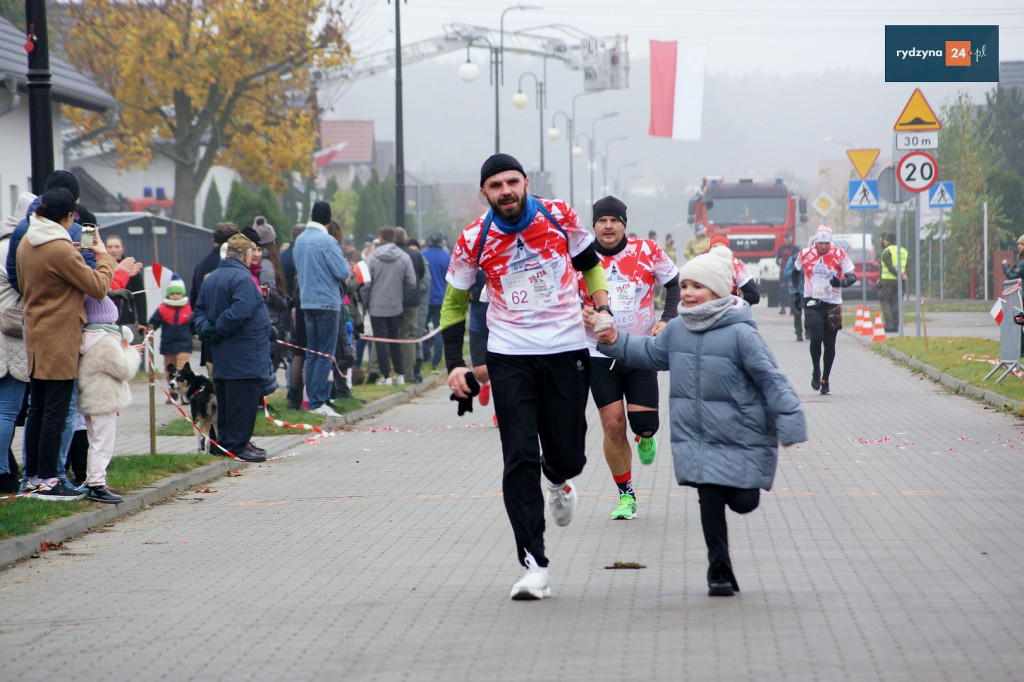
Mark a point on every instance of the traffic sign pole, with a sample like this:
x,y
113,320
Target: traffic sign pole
x,y
917,264
899,250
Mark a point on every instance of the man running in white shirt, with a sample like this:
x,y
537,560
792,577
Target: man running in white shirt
x,y
537,359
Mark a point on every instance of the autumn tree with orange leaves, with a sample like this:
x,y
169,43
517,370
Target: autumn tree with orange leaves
x,y
205,82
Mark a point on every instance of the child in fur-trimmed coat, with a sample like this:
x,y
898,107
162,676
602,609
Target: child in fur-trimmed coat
x,y
107,362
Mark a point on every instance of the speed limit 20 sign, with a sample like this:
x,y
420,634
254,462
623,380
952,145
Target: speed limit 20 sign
x,y
917,171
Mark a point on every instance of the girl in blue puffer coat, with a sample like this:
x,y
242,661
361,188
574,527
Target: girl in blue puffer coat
x,y
730,405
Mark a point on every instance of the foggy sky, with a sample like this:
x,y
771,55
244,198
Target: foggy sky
x,y
766,111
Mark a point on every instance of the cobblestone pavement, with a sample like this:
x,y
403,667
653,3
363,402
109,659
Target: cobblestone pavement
x,y
890,549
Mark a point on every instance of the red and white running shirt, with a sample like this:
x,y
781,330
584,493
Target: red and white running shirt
x,y
535,304
740,275
819,269
632,274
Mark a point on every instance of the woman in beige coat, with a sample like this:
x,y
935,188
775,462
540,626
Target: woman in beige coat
x,y
54,279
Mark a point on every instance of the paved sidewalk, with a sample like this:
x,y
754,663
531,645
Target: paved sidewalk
x,y
889,549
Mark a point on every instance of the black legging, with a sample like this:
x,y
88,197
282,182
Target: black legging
x,y
713,500
820,334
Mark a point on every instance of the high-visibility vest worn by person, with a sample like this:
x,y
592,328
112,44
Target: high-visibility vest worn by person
x,y
891,252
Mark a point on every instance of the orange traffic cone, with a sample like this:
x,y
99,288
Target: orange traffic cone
x,y
865,330
859,324
879,333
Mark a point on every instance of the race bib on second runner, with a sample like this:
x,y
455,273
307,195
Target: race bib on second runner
x,y
530,290
622,296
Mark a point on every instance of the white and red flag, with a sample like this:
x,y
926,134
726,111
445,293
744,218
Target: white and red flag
x,y
677,90
997,311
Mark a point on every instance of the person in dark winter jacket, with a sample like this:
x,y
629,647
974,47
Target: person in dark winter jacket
x,y
231,317
730,405
173,318
392,282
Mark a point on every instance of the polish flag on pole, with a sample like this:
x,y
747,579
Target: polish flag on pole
x,y
677,90
997,311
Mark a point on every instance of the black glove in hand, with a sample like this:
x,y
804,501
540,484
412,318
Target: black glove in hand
x,y
466,404
1019,319
210,336
836,282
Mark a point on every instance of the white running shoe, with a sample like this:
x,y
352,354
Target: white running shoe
x,y
562,502
325,411
533,585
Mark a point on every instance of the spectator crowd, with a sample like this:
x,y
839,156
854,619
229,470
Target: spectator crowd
x,y
74,321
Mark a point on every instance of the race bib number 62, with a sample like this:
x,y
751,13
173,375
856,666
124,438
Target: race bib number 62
x,y
529,290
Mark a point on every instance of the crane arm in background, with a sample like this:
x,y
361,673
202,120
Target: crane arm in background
x,y
604,61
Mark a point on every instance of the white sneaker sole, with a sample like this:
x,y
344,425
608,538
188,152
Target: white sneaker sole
x,y
524,593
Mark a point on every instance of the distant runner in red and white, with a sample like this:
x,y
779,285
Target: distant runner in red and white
x,y
826,270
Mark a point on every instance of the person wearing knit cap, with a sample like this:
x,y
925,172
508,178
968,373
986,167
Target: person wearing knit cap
x,y
633,268
108,362
321,270
537,359
730,405
56,280
272,280
231,317
782,255
826,269
58,179
173,318
743,283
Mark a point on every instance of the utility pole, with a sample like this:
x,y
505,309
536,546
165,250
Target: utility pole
x,y
399,135
40,112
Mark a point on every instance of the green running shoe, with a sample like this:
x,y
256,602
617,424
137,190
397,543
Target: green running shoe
x,y
646,448
626,508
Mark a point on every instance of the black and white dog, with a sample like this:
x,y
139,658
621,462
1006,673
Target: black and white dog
x,y
197,392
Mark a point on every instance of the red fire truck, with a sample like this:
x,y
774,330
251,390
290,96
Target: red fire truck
x,y
754,216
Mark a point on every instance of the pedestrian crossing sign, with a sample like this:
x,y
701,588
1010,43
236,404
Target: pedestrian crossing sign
x,y
863,195
940,195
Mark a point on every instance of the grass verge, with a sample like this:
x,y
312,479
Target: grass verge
x,y
947,354
22,515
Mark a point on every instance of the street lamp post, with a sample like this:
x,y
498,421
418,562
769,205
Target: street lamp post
x,y
554,133
577,150
40,128
520,100
399,132
604,161
593,137
468,71
618,174
625,180
572,179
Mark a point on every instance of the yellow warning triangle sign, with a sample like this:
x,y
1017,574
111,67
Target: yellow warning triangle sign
x,y
917,115
862,160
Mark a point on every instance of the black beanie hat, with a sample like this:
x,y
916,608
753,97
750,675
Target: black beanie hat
x,y
58,202
499,163
65,179
610,206
85,216
252,235
321,213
